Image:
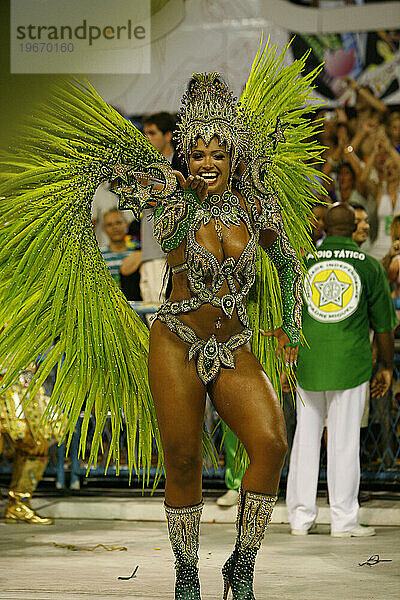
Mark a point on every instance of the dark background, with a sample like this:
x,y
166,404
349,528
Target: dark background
x,y
18,92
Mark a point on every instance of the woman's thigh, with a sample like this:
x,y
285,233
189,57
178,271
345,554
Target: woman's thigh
x,y
247,402
178,393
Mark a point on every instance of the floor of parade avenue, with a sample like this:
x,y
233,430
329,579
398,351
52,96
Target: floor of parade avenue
x,y
103,539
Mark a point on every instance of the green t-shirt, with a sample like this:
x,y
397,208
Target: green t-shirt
x,y
346,293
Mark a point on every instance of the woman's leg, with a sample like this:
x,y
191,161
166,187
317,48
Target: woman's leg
x,y
247,402
179,399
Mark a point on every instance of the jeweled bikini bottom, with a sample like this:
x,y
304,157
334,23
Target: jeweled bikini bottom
x,y
211,354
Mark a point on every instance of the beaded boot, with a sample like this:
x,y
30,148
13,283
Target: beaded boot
x,y
183,530
254,514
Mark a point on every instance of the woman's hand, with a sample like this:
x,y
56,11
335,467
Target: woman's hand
x,y
195,184
290,353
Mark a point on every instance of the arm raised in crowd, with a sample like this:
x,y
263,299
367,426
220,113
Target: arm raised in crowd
x,y
367,185
364,92
383,139
366,129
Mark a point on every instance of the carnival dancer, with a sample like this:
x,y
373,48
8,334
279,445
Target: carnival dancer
x,y
236,285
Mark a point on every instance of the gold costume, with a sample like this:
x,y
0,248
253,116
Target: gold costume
x,y
20,429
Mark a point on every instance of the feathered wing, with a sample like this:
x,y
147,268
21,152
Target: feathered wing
x,y
55,288
277,102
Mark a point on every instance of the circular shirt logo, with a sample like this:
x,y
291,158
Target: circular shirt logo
x,y
332,291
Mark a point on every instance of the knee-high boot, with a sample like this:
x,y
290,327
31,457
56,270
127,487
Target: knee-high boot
x,y
254,514
27,473
184,530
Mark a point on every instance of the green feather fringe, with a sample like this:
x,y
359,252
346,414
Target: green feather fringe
x,y
278,91
57,298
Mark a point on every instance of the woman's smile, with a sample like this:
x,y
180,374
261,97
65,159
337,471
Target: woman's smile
x,y
209,176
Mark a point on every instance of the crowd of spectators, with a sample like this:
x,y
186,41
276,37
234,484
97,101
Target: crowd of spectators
x,y
362,161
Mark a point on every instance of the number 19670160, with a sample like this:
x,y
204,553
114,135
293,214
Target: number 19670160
x,y
47,47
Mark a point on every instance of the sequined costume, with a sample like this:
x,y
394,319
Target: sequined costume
x,y
56,291
75,307
202,266
20,432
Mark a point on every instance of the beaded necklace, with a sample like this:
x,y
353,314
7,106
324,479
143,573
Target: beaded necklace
x,y
222,209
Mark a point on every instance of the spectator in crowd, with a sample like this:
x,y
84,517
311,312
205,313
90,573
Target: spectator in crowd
x,y
344,153
346,190
158,129
348,186
378,181
103,201
373,170
361,233
328,134
334,135
370,112
384,142
318,224
347,294
391,262
122,253
393,130
387,203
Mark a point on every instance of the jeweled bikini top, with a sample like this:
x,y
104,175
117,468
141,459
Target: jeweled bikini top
x,y
205,274
179,216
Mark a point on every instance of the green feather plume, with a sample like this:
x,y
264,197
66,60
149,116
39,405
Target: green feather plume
x,y
279,93
274,93
57,298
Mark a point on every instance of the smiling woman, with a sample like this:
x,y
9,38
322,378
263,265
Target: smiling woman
x,y
235,306
211,162
212,234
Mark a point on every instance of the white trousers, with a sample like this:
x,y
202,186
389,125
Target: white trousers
x,y
151,280
343,411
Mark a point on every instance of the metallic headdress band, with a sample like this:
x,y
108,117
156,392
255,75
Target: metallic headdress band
x,y
209,109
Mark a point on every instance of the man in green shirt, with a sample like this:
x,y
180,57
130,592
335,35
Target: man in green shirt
x,y
346,293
